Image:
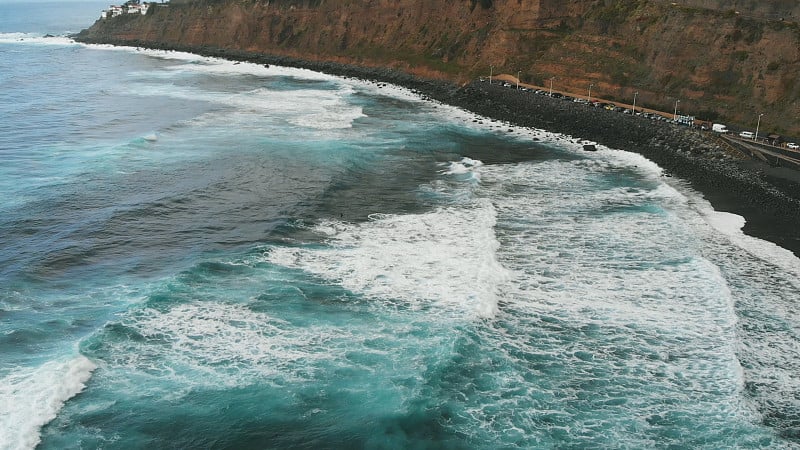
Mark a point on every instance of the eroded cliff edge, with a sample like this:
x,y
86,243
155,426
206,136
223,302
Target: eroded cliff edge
x,y
723,59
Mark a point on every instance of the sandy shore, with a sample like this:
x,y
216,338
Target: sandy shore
x,y
768,198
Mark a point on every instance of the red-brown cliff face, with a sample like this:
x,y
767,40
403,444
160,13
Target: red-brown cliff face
x,y
721,58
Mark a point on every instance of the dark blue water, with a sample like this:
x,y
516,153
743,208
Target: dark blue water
x,y
201,254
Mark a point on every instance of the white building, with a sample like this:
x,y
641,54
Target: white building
x,y
138,9
115,10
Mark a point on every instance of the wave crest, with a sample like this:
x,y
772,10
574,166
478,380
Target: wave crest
x,y
34,397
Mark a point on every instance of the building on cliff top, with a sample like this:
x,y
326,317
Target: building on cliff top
x,y
129,7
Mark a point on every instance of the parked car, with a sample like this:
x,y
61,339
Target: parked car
x,y
746,134
793,146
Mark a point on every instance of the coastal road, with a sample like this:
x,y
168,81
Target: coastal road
x,y
765,153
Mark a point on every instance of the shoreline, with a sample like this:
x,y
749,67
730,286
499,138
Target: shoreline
x,y
767,197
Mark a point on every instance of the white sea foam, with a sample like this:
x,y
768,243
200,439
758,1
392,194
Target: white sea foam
x,y
764,279
322,109
585,245
597,252
570,265
213,65
731,226
613,285
465,165
728,223
34,38
165,54
442,260
390,90
31,397
210,344
16,37
676,189
326,113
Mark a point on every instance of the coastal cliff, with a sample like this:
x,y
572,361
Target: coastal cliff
x,y
724,60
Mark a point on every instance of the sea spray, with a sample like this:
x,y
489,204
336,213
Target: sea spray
x,y
33,396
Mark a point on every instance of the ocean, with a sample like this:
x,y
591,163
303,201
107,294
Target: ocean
x,y
197,253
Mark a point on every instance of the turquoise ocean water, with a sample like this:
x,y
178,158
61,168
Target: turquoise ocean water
x,y
201,254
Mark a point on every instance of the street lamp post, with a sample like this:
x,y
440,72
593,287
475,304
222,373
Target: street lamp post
x,y
634,102
675,115
757,125
551,85
590,92
491,70
518,72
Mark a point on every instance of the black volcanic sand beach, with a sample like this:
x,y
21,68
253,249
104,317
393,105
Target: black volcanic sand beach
x,y
767,197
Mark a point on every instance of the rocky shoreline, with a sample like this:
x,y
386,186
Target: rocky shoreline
x,y
768,198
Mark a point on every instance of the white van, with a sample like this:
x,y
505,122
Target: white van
x,y
719,128
746,134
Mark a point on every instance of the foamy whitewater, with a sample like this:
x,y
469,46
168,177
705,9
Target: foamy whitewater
x,y
201,254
